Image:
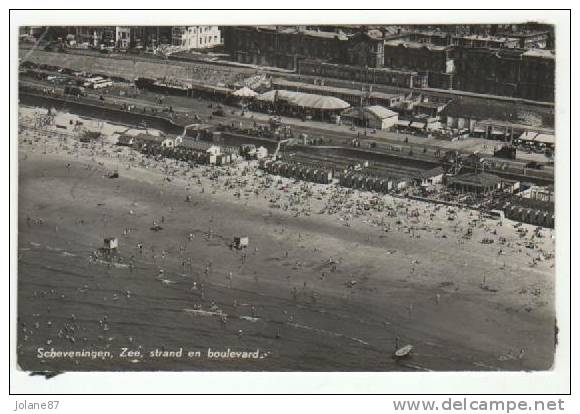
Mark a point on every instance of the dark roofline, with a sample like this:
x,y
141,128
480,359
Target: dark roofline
x,y
483,179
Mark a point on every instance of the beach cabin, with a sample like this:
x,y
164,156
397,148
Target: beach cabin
x,y
241,242
111,243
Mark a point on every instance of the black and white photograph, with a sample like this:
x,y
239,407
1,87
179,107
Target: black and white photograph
x,y
287,198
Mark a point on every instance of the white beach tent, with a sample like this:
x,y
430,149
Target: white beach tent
x,y
245,92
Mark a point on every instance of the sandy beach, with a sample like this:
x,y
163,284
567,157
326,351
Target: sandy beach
x,y
332,280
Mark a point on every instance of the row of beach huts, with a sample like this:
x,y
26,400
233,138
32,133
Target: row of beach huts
x,y
534,216
324,175
180,148
189,149
298,171
362,181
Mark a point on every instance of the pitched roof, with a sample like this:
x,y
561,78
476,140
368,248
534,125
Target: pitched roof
x,y
512,112
380,111
375,110
306,100
433,172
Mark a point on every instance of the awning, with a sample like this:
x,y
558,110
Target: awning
x,y
417,125
479,130
403,123
305,100
273,95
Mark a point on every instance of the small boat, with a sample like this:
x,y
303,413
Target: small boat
x,y
404,352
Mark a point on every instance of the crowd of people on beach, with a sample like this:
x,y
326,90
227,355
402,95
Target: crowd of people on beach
x,y
246,183
245,179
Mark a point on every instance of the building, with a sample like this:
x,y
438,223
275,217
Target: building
x,y
151,37
285,47
300,104
380,184
126,140
154,141
533,39
122,37
307,172
111,243
31,31
535,139
537,75
536,216
434,60
485,41
95,35
377,117
540,193
513,63
261,152
430,177
352,96
527,74
481,183
198,131
478,37
195,37
378,75
502,120
104,36
533,205
485,60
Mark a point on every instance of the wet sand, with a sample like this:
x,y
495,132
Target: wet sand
x,y
457,301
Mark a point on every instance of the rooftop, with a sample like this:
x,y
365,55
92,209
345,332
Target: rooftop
x,y
487,38
538,137
388,70
331,89
512,113
375,110
150,138
304,100
481,179
292,30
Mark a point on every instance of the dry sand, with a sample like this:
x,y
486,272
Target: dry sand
x,y
461,304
